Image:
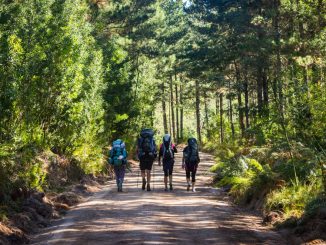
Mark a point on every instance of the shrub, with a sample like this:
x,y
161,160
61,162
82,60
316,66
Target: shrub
x,y
292,200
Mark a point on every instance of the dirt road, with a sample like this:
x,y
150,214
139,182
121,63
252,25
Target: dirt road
x,y
159,217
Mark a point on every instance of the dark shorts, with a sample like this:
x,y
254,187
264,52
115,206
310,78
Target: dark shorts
x,y
168,167
146,164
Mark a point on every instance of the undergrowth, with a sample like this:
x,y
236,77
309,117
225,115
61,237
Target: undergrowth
x,y
271,177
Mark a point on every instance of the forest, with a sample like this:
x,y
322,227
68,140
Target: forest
x,y
246,78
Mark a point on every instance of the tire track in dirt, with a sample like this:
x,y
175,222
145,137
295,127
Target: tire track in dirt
x,y
159,217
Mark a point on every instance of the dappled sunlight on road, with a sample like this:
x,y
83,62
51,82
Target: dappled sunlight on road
x,y
159,217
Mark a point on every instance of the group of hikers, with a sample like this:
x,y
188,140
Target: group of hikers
x,y
147,154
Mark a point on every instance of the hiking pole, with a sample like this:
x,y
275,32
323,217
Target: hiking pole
x,y
153,176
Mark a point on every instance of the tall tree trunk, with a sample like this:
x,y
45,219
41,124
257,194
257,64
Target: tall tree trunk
x,y
181,110
278,73
198,112
231,112
265,93
260,89
221,119
278,59
240,106
177,112
246,92
165,121
217,105
206,114
172,109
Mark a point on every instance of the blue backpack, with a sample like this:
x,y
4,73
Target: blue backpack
x,y
118,153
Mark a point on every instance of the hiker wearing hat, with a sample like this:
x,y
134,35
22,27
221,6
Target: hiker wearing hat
x,y
190,162
167,150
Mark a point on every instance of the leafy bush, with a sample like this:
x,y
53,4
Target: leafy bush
x,y
292,200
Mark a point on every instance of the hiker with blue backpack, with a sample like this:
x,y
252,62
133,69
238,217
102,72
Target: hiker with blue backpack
x,y
167,150
146,151
190,161
118,159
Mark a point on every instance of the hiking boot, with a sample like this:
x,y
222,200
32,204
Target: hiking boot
x,y
171,188
144,184
148,187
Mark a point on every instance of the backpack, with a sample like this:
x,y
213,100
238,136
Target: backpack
x,y
146,145
167,148
118,153
192,156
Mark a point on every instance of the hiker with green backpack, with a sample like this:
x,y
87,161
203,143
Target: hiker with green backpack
x,y
118,159
190,161
146,151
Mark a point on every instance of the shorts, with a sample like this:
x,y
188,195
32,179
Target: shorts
x,y
146,164
168,167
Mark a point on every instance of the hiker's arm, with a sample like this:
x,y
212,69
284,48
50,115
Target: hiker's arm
x,y
110,157
125,155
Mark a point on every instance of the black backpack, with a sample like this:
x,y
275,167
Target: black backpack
x,y
167,149
192,154
146,146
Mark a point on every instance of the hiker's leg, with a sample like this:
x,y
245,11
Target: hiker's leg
x,y
193,180
170,179
116,172
143,178
121,175
166,178
148,179
123,172
193,175
170,173
188,179
148,173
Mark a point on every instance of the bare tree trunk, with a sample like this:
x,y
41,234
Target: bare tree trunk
x,y
231,112
172,109
265,93
170,124
165,121
177,112
198,112
278,75
217,105
260,90
181,110
246,92
221,119
206,114
240,106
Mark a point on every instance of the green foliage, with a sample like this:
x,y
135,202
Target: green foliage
x,y
293,199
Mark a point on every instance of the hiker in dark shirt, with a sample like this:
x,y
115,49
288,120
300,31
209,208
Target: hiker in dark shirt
x,y
190,161
167,150
146,151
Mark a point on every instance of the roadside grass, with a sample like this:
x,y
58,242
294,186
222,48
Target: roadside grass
x,y
288,183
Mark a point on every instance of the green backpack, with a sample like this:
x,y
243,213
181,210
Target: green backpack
x,y
118,153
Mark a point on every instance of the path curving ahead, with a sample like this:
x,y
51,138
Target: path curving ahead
x,y
159,217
